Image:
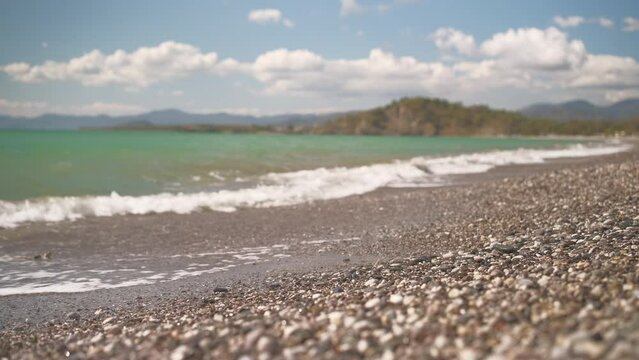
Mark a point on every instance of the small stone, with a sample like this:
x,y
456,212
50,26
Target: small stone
x,y
423,259
372,303
97,338
181,352
113,329
543,282
362,345
597,291
454,293
440,341
525,284
448,255
73,316
505,248
468,354
266,344
396,299
297,336
590,349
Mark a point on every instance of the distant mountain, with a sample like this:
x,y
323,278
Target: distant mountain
x,y
161,118
423,116
435,117
584,110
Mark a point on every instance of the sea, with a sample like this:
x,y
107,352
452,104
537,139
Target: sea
x,y
64,176
52,179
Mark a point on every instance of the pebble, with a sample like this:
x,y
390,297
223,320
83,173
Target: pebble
x,y
396,299
372,303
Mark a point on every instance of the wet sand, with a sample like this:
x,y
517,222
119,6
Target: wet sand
x,y
337,237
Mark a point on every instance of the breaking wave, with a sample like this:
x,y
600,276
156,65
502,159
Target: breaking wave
x,y
277,189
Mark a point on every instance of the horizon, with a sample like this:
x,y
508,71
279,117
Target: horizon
x,y
269,115
316,57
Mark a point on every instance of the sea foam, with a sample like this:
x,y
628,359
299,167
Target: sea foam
x,y
278,189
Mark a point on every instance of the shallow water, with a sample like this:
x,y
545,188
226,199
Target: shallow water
x,y
38,164
70,175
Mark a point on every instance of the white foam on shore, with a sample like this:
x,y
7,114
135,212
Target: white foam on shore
x,y
278,189
60,284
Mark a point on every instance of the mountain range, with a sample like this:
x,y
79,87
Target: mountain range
x,y
437,117
584,110
571,110
155,118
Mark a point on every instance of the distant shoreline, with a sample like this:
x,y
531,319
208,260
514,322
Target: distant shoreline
x,y
405,116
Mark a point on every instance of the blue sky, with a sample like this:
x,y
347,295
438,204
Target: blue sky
x,y
265,57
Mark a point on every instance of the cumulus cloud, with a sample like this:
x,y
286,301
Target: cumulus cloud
x,y
630,24
606,71
269,16
140,68
350,7
526,59
304,72
548,49
569,21
32,109
448,39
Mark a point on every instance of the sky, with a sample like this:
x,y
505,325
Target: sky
x,y
260,57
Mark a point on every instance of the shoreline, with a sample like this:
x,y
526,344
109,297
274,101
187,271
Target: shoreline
x,y
540,264
293,187
394,211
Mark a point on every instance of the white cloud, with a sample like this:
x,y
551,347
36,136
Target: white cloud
x,y
448,39
621,95
605,22
140,68
177,92
21,108
526,60
574,21
569,21
631,24
350,7
32,109
269,16
303,72
548,49
524,48
606,71
265,16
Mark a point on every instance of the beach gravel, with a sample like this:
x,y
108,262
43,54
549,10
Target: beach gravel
x,y
546,267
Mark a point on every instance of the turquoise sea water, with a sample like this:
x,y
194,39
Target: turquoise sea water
x,y
41,164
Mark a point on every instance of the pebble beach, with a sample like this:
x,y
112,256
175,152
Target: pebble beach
x,y
539,266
